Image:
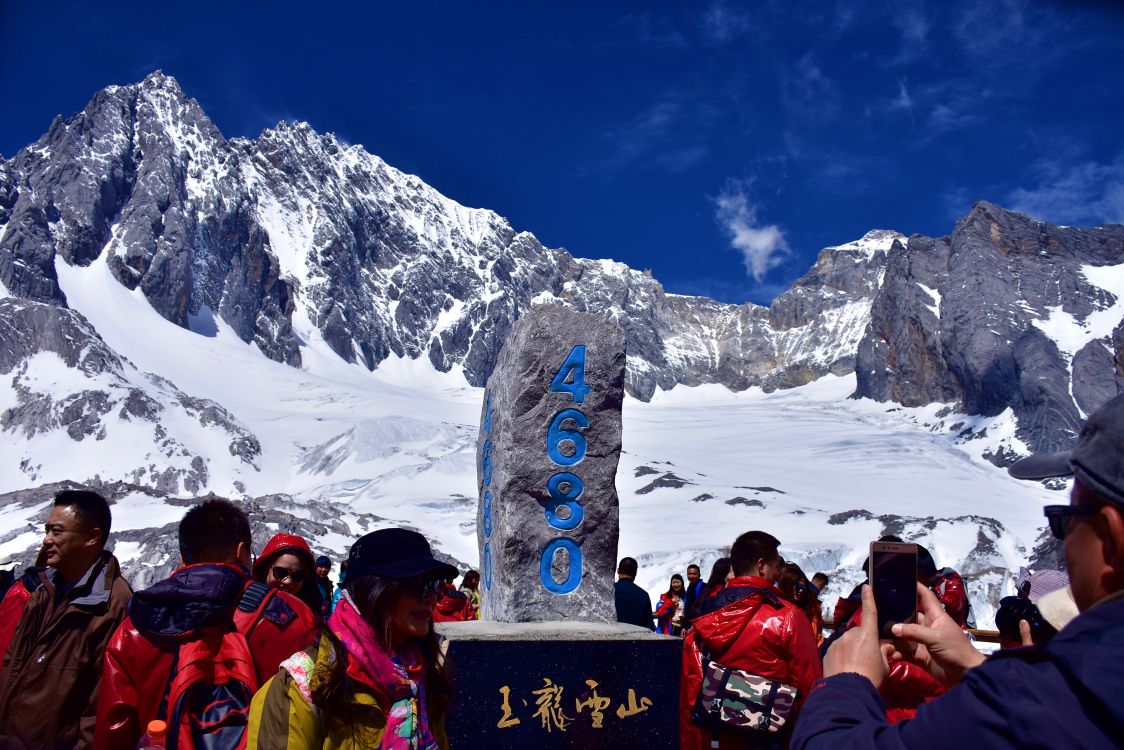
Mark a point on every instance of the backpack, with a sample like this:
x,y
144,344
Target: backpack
x,y
213,680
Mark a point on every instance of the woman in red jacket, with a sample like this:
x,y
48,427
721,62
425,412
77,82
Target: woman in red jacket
x,y
669,612
287,563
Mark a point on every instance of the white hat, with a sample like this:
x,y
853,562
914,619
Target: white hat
x,y
1058,607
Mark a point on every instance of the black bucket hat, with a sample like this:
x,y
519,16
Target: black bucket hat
x,y
395,553
1097,459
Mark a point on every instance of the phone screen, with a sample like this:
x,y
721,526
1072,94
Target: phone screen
x,y
893,576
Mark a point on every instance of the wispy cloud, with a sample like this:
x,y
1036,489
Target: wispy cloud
x,y
763,246
721,23
642,29
668,136
1086,193
912,23
809,92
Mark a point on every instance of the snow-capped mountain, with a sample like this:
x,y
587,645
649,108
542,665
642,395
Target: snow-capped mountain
x,y
293,322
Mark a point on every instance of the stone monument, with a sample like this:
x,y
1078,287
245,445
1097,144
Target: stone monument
x,y
549,444
549,667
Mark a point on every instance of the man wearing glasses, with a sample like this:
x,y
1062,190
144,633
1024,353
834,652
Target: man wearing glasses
x,y
1066,693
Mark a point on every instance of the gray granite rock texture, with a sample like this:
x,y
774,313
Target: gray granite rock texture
x,y
519,520
963,320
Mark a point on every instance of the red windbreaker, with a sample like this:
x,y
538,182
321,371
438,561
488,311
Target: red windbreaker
x,y
11,610
138,660
949,588
770,639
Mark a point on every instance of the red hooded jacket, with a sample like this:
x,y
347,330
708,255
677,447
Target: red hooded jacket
x,y
762,634
280,543
11,608
138,660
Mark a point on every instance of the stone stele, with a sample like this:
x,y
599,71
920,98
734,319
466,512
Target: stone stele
x,y
550,440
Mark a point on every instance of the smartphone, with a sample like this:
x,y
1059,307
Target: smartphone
x,y
893,577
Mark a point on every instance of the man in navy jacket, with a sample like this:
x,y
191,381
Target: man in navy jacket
x,y
1064,694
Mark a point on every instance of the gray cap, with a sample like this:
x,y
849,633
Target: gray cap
x,y
1097,459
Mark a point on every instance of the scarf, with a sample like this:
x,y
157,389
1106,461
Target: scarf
x,y
398,676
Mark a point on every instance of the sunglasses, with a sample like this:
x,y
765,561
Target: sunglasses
x,y
282,573
1058,516
422,587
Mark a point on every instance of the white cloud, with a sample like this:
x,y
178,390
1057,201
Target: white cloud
x,y
763,247
1083,194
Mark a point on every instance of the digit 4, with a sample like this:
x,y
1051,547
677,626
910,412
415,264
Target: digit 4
x,y
570,377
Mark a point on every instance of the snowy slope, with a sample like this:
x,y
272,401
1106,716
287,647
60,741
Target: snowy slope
x,y
359,450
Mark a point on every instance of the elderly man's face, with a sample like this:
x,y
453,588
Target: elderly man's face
x,y
1085,542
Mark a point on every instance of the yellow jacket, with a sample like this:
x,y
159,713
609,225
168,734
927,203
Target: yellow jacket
x,y
281,716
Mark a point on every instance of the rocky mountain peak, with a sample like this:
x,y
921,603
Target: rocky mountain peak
x,y
297,232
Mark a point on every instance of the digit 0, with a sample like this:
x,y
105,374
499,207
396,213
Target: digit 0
x,y
546,563
560,499
487,566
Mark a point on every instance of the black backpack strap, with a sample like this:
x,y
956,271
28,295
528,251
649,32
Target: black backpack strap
x,y
162,711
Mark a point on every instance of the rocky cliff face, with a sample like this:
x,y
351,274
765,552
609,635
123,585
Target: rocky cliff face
x,y
297,226
297,234
1006,313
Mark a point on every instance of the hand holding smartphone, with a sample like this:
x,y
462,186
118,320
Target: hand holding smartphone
x,y
892,573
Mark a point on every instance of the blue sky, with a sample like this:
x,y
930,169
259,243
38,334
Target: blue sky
x,y
719,144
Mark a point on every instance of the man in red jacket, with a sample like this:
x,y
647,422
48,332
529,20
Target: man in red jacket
x,y
747,626
211,593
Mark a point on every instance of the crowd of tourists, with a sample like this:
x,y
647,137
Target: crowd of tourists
x,y
233,650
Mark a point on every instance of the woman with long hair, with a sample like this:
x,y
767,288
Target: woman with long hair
x,y
670,610
795,586
376,679
720,572
286,563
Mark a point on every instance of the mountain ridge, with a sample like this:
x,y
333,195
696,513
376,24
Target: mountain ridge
x,y
296,232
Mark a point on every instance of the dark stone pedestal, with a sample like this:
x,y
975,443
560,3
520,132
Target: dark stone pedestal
x,y
562,685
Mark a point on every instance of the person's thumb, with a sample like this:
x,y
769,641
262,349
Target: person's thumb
x,y
1025,634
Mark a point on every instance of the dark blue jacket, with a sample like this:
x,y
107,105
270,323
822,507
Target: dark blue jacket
x,y
1068,694
634,606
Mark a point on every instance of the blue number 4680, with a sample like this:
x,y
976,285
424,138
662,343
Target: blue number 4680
x,y
570,377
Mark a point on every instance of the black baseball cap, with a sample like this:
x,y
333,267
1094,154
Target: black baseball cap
x,y
1097,459
395,553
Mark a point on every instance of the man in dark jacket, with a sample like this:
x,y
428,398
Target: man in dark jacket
x,y
211,594
1065,693
52,670
634,606
693,588
749,627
